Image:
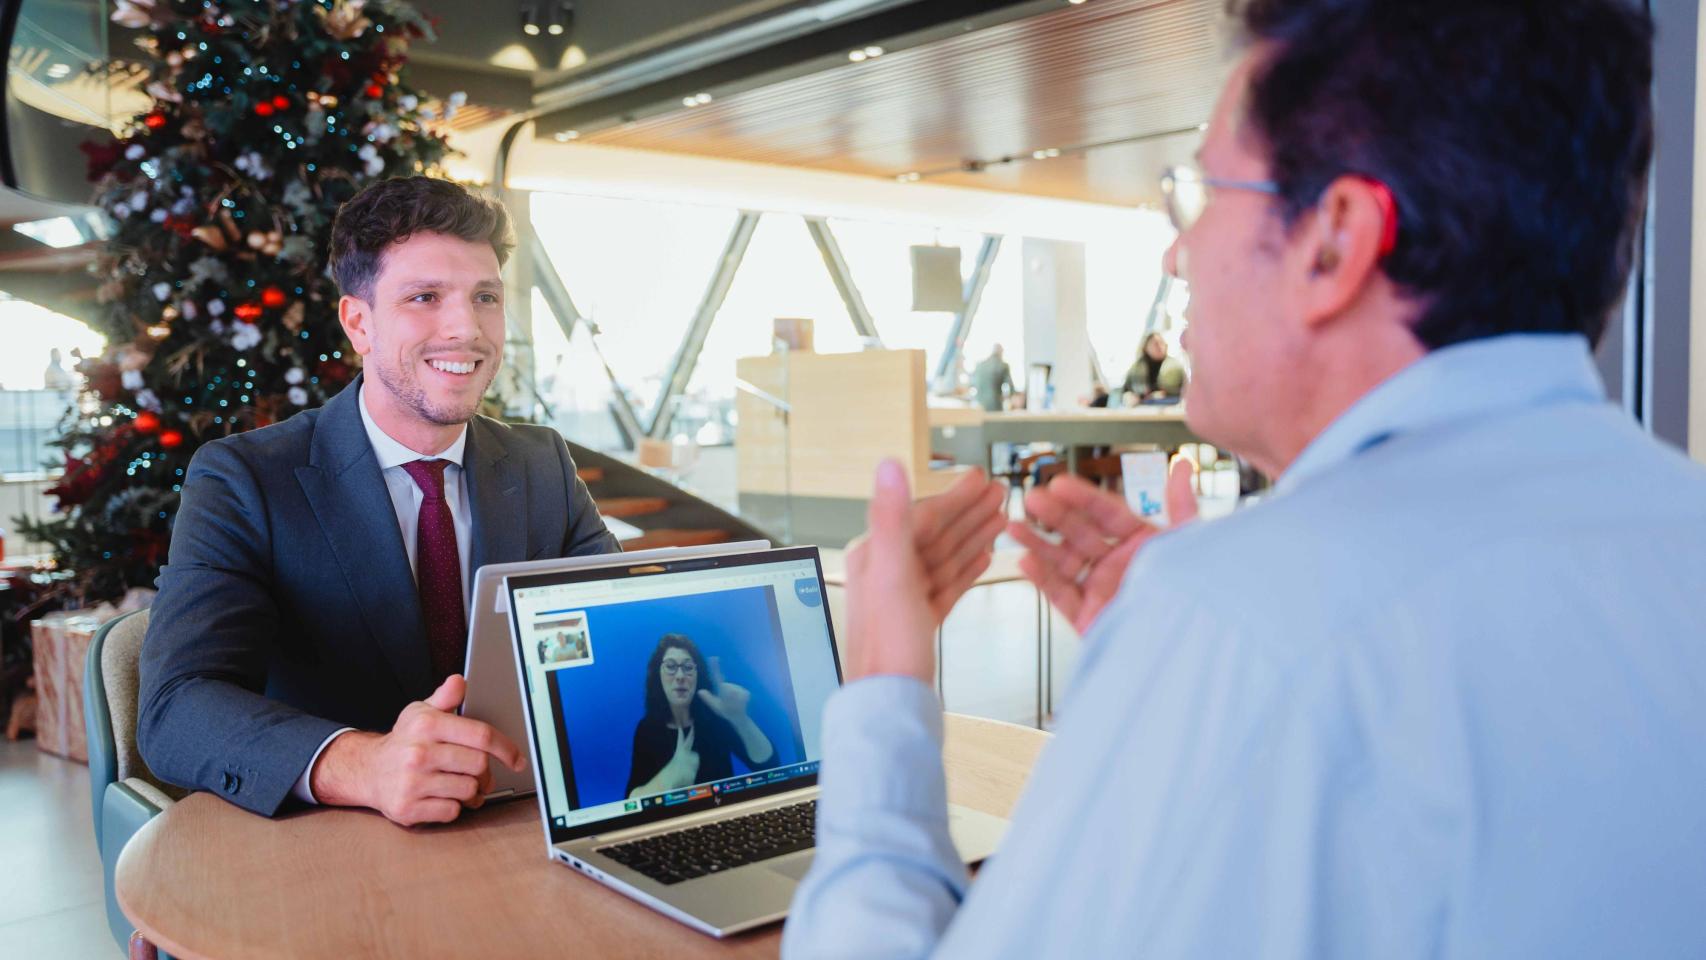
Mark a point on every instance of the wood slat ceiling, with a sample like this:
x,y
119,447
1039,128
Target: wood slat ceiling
x,y
1118,86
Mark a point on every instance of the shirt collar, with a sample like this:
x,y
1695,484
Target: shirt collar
x,y
1461,382
394,454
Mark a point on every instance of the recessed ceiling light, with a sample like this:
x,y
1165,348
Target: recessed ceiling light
x,y
59,71
702,98
1075,2
689,102
564,136
856,56
873,51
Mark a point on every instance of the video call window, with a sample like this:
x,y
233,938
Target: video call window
x,y
684,690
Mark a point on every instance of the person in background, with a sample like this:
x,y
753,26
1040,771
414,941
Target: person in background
x,y
1440,694
56,377
1155,377
992,381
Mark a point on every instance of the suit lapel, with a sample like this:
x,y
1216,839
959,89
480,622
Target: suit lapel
x,y
344,488
497,492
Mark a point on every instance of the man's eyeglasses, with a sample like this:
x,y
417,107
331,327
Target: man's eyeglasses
x,y
683,668
1185,189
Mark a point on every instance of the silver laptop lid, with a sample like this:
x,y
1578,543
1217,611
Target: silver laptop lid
x,y
660,689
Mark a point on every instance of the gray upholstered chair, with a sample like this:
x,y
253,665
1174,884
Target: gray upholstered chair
x,y
123,793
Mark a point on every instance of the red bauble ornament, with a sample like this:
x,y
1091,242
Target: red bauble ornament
x,y
272,297
375,91
263,109
146,422
171,439
248,312
154,121
281,102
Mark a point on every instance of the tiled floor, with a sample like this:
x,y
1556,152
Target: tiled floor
x,y
51,904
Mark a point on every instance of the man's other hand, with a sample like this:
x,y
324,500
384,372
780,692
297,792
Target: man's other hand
x,y
430,766
1098,536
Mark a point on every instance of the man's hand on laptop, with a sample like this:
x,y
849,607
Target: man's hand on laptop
x,y
912,564
1098,536
430,766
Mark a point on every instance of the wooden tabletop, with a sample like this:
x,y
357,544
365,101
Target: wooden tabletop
x,y
207,879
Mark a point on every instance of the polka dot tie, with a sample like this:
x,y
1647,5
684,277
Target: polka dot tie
x,y
438,571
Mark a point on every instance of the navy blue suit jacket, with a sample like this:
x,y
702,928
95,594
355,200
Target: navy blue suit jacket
x,y
287,608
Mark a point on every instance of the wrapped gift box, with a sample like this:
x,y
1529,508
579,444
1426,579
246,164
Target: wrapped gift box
x,y
61,642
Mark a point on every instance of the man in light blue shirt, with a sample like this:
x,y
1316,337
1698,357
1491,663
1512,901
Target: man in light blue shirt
x,y
1443,693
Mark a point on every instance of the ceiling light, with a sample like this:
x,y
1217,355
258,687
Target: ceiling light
x,y
701,98
59,71
873,52
1047,154
689,101
856,55
564,136
1075,2
555,29
530,18
531,29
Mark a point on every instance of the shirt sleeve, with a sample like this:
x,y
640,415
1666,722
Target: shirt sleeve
x,y
303,790
886,880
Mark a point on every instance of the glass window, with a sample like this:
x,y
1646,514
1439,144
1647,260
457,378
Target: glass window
x,y
639,270
782,276
38,380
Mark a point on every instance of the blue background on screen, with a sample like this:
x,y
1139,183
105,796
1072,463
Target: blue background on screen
x,y
603,702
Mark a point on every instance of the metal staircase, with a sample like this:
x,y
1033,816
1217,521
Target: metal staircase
x,y
665,514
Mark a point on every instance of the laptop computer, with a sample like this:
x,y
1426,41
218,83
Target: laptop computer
x,y
489,669
673,712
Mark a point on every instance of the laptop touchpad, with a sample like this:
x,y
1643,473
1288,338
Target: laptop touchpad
x,y
794,867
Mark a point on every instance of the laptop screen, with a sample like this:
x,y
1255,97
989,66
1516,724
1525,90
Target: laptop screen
x,y
666,688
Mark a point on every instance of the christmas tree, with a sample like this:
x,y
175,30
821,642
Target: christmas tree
x,y
265,116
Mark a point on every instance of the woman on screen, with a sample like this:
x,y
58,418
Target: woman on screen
x,y
691,733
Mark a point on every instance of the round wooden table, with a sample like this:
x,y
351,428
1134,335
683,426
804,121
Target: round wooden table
x,y
207,879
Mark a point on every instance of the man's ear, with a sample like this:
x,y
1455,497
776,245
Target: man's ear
x,y
1345,238
356,316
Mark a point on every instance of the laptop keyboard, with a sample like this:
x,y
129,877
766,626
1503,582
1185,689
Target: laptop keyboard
x,y
720,845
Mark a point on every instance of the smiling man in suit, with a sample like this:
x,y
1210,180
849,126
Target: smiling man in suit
x,y
310,628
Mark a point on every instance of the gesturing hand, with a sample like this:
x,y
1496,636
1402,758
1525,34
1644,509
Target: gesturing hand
x,y
728,700
431,765
953,533
890,615
1099,535
683,767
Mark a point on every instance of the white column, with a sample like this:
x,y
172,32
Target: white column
x,y
1056,331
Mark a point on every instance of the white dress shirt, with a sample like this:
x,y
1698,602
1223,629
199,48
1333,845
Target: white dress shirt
x,y
1442,695
406,497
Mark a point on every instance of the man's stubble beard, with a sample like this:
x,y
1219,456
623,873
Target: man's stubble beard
x,y
407,390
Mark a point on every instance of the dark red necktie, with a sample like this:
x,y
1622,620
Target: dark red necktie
x,y
438,571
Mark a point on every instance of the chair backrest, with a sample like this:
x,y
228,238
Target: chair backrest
x,y
110,686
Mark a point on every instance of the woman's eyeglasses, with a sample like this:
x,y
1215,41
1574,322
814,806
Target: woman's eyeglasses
x,y
684,668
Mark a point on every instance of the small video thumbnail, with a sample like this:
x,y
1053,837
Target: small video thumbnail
x,y
563,641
